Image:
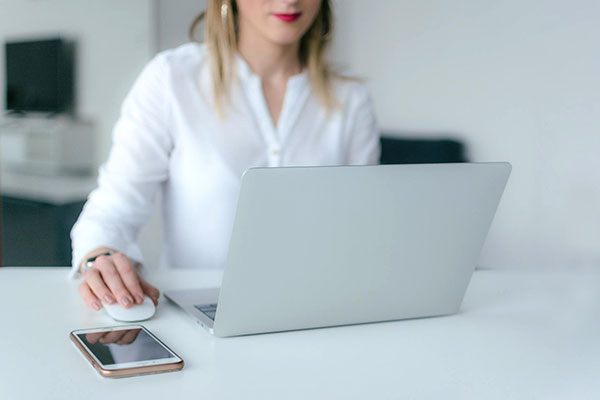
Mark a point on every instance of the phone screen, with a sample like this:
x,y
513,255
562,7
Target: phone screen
x,y
124,346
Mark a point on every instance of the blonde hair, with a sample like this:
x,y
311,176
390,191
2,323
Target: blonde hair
x,y
220,36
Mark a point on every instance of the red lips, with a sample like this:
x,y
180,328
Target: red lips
x,y
288,17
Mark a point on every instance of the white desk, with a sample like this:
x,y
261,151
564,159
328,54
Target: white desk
x,y
520,335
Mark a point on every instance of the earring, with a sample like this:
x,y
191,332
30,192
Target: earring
x,y
224,11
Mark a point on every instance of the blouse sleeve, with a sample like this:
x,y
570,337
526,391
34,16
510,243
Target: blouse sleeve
x,y
137,166
363,132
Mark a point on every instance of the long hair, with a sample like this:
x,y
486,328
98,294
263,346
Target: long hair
x,y
220,36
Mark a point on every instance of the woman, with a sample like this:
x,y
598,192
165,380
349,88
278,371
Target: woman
x,y
257,93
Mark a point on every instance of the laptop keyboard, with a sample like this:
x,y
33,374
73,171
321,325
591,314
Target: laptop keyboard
x,y
207,309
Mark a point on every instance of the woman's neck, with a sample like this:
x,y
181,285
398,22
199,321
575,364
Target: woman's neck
x,y
267,59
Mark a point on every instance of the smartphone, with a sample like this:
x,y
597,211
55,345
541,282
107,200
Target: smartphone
x,y
125,350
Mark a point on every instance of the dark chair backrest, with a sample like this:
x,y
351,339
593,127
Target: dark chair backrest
x,y
409,150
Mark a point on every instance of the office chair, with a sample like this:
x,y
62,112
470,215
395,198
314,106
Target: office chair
x,y
397,149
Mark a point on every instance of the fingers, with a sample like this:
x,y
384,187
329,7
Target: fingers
x,y
129,336
125,336
114,278
150,290
94,280
129,276
113,281
113,336
92,338
89,297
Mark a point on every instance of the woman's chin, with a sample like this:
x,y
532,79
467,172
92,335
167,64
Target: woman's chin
x,y
285,38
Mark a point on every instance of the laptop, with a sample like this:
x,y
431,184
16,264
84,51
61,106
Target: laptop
x,y
317,247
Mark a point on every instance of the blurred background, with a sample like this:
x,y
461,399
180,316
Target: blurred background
x,y
510,81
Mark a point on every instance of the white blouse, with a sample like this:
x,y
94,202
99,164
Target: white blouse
x,y
169,139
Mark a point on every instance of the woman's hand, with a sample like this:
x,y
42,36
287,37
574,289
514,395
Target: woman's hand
x,y
114,279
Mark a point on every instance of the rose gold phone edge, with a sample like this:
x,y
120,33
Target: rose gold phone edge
x,y
126,372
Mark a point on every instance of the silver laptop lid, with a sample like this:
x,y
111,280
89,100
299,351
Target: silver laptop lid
x,y
324,246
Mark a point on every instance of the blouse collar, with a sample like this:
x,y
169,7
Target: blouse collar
x,y
246,74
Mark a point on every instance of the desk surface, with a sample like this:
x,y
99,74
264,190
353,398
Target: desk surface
x,y
520,334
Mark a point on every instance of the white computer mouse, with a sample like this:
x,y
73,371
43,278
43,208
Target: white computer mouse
x,y
137,312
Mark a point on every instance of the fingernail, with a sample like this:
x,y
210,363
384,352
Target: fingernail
x,y
96,306
109,299
139,299
126,301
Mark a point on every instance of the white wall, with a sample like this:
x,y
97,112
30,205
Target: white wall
x,y
174,20
114,40
519,81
